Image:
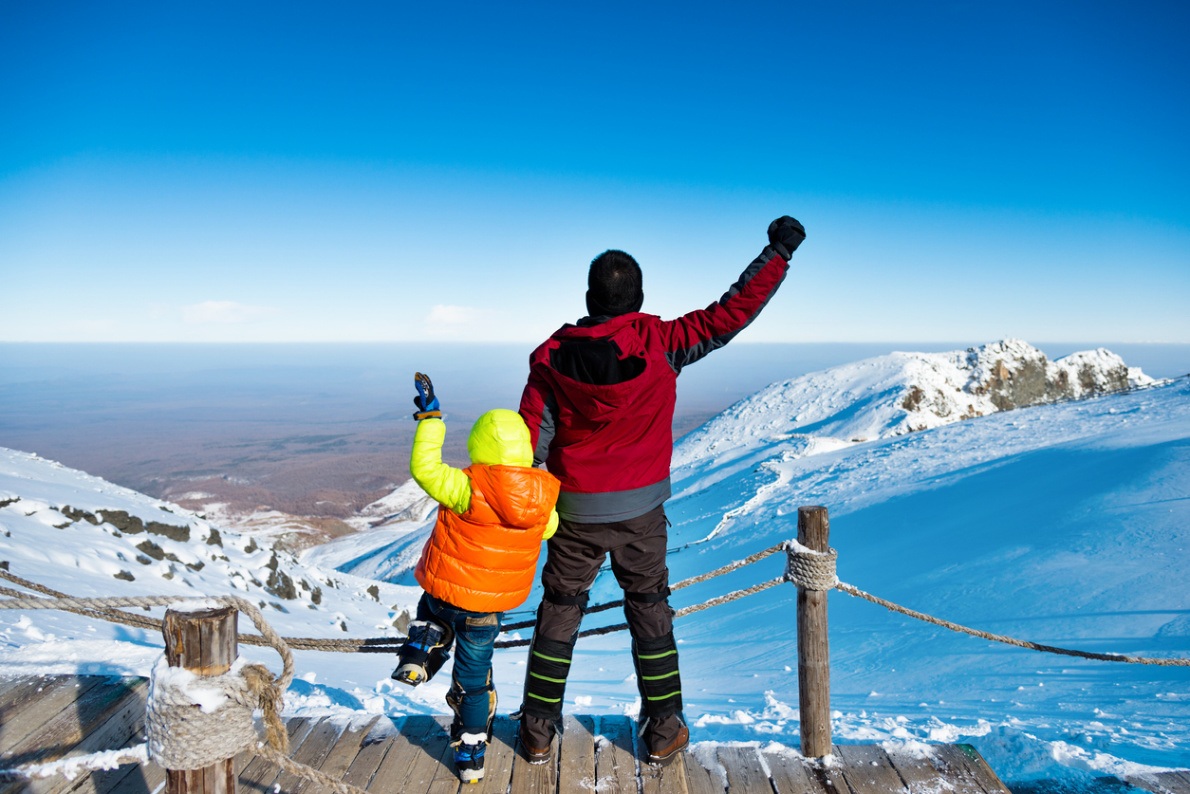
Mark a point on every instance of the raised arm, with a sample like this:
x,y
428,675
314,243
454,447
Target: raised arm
x,y
693,335
445,484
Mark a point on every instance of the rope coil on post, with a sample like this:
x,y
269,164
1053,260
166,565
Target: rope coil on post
x,y
810,569
184,734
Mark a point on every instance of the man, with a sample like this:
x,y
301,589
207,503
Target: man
x,y
599,404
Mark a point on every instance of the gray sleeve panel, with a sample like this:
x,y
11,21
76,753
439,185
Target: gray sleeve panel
x,y
546,430
601,508
680,358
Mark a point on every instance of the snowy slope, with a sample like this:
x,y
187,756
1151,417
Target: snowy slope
x,y
1066,524
86,537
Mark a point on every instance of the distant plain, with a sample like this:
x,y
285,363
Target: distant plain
x,y
320,431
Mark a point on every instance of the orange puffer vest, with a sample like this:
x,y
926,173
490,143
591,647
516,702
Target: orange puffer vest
x,y
484,560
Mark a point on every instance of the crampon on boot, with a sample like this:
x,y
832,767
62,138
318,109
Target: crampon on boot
x,y
469,751
424,652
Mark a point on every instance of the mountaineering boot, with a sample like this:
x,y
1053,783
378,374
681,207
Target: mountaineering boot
x,y
665,739
469,750
656,662
423,653
536,736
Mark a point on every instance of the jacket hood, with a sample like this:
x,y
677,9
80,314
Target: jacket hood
x,y
500,437
601,402
521,497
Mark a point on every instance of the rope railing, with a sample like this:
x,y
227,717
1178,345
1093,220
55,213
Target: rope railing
x,y
253,687
816,571
804,568
346,645
760,555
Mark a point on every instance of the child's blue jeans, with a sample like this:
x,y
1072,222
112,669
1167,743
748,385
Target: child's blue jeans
x,y
472,694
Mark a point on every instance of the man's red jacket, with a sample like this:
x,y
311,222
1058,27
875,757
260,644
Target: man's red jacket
x,y
600,398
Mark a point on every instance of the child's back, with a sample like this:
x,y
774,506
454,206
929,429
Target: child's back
x,y
479,561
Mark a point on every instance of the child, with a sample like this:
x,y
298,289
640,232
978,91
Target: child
x,y
479,561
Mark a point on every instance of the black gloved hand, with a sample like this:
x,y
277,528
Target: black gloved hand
x,y
426,401
785,235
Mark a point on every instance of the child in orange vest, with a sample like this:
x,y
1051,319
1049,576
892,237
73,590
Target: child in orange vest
x,y
480,560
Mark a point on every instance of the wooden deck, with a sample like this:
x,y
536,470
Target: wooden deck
x,y
42,719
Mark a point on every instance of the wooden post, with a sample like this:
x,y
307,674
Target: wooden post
x,y
813,647
205,642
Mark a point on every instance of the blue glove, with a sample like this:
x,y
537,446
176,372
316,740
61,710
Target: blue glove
x,y
426,402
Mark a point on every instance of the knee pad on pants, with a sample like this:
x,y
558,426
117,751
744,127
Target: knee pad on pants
x,y
545,679
657,676
454,699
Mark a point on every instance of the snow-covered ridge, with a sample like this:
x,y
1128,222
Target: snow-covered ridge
x,y
906,392
931,519
110,540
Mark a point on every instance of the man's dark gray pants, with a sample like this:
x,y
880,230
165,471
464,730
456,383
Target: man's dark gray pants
x,y
575,554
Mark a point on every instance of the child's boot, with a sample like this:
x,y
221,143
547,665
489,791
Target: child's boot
x,y
469,750
423,653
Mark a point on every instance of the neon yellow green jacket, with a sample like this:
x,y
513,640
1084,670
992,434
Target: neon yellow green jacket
x,y
482,554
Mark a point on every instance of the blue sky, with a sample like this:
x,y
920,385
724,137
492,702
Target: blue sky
x,y
388,171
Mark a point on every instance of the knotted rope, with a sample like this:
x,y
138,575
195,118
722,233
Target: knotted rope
x,y
183,734
813,570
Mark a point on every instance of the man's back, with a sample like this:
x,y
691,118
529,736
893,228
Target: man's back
x,y
600,397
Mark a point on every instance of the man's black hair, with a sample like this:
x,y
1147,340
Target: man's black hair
x,y
614,285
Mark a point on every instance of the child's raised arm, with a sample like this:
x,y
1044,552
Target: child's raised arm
x,y
445,484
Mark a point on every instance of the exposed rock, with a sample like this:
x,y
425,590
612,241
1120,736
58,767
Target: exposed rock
x,y
279,583
124,522
1003,376
1014,374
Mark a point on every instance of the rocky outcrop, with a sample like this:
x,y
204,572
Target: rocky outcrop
x,y
907,392
1014,374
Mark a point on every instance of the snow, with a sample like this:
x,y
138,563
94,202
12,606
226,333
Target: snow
x,y
1066,524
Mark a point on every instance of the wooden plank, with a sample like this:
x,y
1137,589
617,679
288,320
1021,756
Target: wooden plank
x,y
258,774
501,755
664,778
793,774
144,779
699,779
966,770
576,762
446,776
1174,781
980,768
34,703
85,727
9,683
374,747
744,773
536,778
868,769
414,757
338,760
122,727
918,773
615,757
311,752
